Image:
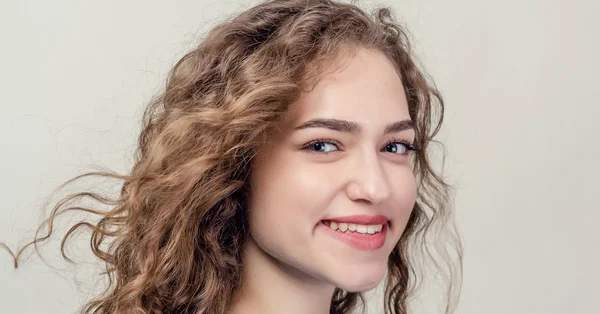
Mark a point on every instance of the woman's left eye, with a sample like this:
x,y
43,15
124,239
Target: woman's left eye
x,y
398,147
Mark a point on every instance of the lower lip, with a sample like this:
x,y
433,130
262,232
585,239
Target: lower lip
x,y
357,240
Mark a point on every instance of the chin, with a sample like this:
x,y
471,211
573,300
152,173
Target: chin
x,y
361,279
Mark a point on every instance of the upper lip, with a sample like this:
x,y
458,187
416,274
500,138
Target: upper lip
x,y
361,219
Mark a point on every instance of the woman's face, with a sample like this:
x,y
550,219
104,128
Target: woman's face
x,y
332,190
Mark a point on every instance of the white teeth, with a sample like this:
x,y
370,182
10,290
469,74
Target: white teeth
x,y
361,228
343,227
333,225
364,229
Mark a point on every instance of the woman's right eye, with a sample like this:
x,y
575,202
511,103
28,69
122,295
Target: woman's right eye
x,y
323,146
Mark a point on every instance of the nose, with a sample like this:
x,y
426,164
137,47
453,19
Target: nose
x,y
368,180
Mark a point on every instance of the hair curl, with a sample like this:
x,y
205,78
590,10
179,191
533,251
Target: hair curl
x,y
172,239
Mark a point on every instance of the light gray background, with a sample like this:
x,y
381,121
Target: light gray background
x,y
520,80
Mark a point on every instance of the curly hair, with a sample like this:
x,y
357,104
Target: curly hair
x,y
172,238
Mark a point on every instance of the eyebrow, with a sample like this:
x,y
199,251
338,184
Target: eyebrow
x,y
353,127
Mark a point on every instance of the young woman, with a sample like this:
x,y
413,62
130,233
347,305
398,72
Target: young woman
x,y
284,169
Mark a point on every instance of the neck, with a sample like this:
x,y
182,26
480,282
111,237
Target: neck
x,y
269,286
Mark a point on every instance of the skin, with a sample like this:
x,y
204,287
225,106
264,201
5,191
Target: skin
x,y
291,264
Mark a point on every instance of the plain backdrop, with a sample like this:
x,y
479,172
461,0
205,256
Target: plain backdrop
x,y
520,81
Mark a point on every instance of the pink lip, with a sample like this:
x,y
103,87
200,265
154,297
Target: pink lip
x,y
357,240
361,219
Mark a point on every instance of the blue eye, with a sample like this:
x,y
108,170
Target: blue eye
x,y
321,146
399,147
396,148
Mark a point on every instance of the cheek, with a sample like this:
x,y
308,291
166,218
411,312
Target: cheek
x,y
286,184
405,198
287,200
408,191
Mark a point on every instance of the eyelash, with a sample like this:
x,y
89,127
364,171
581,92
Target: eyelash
x,y
409,147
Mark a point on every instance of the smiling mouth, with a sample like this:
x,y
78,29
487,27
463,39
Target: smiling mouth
x,y
361,229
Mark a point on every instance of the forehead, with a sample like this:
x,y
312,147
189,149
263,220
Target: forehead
x,y
367,89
